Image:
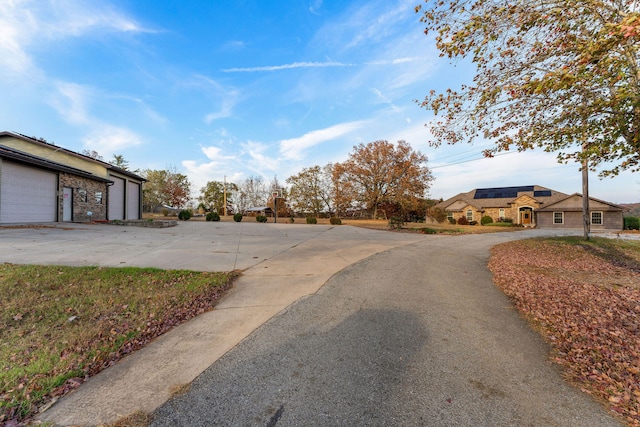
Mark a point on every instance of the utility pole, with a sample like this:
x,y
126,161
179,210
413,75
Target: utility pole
x,y
224,195
586,220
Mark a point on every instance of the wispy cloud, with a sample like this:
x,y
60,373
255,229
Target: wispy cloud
x,y
259,161
107,139
292,149
314,6
225,97
395,61
70,101
26,23
288,67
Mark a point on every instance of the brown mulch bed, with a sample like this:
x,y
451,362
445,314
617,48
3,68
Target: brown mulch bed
x,y
584,298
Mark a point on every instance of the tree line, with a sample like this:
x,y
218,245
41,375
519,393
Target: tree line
x,y
378,179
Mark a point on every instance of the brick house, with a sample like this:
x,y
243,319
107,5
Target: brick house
x,y
531,206
43,182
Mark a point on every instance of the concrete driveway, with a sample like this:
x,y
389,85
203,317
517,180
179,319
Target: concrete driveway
x,y
281,263
407,330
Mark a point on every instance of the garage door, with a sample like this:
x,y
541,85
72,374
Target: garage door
x,y
133,200
27,194
116,198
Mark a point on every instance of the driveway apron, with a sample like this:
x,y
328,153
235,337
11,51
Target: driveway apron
x,y
416,335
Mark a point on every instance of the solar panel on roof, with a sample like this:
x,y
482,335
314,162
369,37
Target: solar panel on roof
x,y
500,192
542,193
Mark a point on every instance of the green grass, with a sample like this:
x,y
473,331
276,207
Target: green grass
x,y
59,323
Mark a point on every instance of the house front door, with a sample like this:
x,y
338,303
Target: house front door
x,y
67,204
526,217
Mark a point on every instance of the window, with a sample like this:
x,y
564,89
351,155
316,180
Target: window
x,y
99,197
558,217
469,215
596,218
82,195
501,215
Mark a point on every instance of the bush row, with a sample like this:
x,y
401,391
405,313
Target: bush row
x,y
186,214
631,223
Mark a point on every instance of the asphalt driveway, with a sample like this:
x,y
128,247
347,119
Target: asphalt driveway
x,y
413,336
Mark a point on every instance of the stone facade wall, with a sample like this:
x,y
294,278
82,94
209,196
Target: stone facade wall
x,y
88,196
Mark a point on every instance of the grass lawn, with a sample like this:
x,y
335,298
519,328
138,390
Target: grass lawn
x,y
59,325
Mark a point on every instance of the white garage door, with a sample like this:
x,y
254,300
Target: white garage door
x,y
133,200
116,198
27,194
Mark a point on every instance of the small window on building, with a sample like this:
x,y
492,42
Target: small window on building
x,y
82,195
558,217
469,215
501,215
450,215
99,197
596,218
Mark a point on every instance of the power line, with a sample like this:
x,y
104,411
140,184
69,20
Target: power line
x,y
471,160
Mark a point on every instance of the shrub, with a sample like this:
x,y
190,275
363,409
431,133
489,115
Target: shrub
x,y
428,231
438,214
212,216
396,222
509,220
184,215
311,220
486,220
631,223
473,222
165,212
452,221
261,218
237,217
463,221
334,220
292,219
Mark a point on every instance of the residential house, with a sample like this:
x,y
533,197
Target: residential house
x,y
531,206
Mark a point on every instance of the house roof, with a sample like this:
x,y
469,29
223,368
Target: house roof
x,y
21,157
43,142
500,197
569,203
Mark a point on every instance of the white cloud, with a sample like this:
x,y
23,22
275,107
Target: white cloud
x,y
107,140
17,24
26,23
70,101
258,160
293,148
314,6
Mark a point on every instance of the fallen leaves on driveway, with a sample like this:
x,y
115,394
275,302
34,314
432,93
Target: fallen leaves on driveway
x,y
584,297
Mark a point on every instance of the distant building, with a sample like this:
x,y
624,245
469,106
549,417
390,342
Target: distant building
x,y
42,182
532,206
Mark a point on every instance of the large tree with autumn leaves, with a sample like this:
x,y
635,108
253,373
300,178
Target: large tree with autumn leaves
x,y
381,172
561,75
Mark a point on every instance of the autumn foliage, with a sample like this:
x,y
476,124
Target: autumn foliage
x,y
585,299
381,172
561,75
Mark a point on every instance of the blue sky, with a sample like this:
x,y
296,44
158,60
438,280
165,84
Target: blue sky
x,y
245,88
